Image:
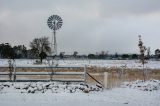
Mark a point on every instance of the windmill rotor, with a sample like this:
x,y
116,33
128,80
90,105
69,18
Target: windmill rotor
x,y
54,22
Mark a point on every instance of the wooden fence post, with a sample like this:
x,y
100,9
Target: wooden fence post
x,y
85,74
14,70
106,81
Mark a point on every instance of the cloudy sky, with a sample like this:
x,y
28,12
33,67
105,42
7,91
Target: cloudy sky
x,y
89,26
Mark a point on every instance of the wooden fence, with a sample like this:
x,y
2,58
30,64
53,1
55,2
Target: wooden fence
x,y
14,74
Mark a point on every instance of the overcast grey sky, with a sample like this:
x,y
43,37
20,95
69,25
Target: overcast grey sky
x,y
89,26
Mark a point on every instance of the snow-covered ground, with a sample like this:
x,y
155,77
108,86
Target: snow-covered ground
x,y
97,63
11,95
149,85
136,93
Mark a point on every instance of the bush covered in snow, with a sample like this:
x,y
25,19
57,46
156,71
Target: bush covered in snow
x,y
149,85
44,87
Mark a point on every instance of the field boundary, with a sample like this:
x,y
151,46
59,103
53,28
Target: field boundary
x,y
13,74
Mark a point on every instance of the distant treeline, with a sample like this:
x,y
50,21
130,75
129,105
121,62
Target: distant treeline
x,y
21,52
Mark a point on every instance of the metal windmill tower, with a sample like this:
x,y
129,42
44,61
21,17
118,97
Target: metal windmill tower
x,y
54,22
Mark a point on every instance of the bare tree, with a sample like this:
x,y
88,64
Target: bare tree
x,y
157,54
40,47
61,55
10,68
142,55
75,54
6,51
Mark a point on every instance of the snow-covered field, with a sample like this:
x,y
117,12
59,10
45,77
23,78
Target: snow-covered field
x,y
137,93
130,94
97,63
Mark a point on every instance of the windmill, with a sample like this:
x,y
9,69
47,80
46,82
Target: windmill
x,y
54,22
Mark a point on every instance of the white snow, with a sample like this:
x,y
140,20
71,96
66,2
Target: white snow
x,y
81,63
149,85
50,87
136,93
10,96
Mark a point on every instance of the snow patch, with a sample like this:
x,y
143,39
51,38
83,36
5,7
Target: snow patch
x,y
90,63
47,87
149,85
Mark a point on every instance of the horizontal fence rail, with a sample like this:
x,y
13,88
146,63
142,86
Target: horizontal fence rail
x,y
40,67
50,74
44,73
45,80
